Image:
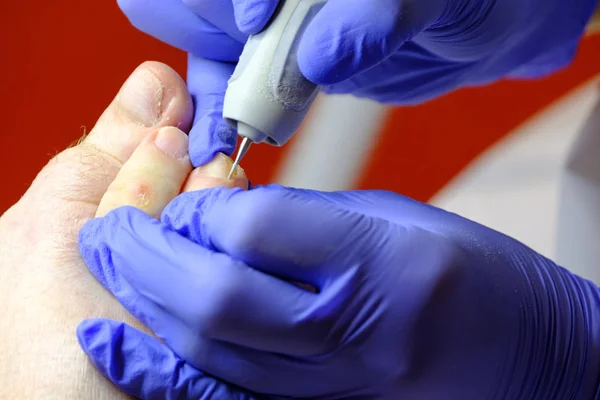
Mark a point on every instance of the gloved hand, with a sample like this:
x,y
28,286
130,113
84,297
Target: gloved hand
x,y
398,51
411,302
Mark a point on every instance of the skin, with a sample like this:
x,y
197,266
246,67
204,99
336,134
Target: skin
x,y
594,25
45,288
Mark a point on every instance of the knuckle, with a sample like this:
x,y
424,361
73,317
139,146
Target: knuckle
x,y
221,302
440,267
251,221
242,238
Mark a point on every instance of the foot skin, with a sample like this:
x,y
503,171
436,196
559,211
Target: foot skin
x,y
153,175
135,155
157,171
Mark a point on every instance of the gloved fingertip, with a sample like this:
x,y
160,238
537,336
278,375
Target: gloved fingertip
x,y
99,237
334,48
186,212
108,345
316,68
251,16
210,134
95,337
88,232
323,58
90,241
221,138
97,229
143,367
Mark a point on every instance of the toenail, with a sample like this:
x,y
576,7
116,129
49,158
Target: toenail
x,y
142,98
172,142
218,167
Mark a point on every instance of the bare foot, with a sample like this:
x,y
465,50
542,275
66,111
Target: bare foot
x,y
45,289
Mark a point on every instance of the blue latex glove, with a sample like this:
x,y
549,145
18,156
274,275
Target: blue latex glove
x,y
398,51
413,302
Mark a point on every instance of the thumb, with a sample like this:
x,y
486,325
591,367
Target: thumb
x,y
348,37
143,367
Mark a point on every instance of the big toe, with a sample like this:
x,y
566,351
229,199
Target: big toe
x,y
153,96
69,189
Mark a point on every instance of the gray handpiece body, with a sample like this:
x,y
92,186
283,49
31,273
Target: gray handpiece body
x,y
267,97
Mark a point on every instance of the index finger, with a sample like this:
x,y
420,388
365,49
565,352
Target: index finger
x,y
210,134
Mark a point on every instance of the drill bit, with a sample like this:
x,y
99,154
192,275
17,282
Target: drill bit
x,y
240,154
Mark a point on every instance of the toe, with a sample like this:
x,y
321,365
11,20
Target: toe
x,y
215,174
152,176
154,96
